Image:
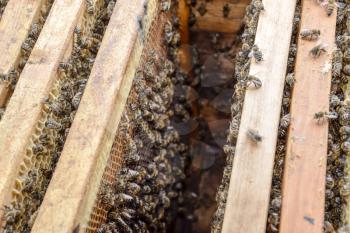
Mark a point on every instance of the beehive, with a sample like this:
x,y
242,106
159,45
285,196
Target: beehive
x,y
173,116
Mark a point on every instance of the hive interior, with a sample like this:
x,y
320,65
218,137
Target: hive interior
x,y
171,160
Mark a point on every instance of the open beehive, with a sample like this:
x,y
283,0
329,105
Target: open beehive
x,y
127,116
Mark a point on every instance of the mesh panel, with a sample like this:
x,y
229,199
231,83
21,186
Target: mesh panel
x,y
152,43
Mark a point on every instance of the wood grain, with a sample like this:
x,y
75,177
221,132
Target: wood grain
x,y
25,107
14,28
250,184
306,158
87,148
214,21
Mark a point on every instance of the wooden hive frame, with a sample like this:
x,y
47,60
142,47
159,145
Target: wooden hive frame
x,y
12,35
113,71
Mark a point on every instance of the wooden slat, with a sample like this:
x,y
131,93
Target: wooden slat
x,y
93,131
14,28
213,20
25,107
306,158
250,184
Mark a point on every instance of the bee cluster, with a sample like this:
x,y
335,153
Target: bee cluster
x,y
59,108
11,78
274,212
3,4
148,186
337,179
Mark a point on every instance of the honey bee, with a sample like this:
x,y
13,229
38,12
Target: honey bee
x,y
254,135
316,51
330,5
321,116
165,5
226,10
345,146
290,79
253,82
202,9
90,7
52,124
310,34
256,53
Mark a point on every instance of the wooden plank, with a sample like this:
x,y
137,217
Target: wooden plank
x,y
12,35
213,20
25,107
306,156
93,130
250,183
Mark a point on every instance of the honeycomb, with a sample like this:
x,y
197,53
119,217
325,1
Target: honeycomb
x,y
11,78
46,144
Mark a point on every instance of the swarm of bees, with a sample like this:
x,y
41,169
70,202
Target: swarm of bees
x,y
59,109
149,183
337,188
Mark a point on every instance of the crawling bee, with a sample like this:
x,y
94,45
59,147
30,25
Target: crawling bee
x,y
321,116
254,135
202,9
256,53
226,10
316,51
310,34
165,5
253,82
290,79
330,5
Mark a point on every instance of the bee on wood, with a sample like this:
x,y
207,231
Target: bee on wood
x,y
285,121
316,51
254,135
165,5
253,82
330,5
256,53
321,116
226,10
258,5
290,79
202,9
35,31
65,66
310,34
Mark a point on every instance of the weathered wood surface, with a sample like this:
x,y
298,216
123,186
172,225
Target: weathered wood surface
x,y
250,184
14,29
306,157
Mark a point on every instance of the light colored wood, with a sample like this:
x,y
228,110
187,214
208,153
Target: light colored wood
x,y
25,107
250,183
213,20
69,200
14,28
306,156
